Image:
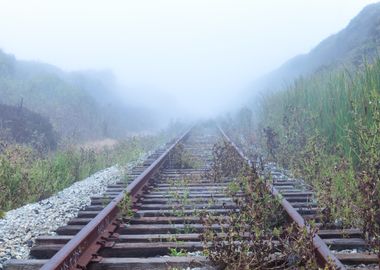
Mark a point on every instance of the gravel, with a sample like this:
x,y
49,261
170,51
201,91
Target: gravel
x,y
20,227
283,174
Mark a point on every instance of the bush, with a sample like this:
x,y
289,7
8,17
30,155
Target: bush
x,y
26,176
327,130
22,126
254,236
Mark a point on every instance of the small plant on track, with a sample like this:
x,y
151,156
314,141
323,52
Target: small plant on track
x,y
180,158
256,235
226,162
125,207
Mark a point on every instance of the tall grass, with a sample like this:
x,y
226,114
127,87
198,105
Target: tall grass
x,y
26,176
327,129
332,104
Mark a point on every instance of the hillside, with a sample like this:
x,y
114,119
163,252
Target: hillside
x,y
19,125
358,42
79,105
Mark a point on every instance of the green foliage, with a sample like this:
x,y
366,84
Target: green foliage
x,y
327,130
177,252
349,48
181,158
20,125
125,207
25,176
226,162
79,105
254,237
71,110
240,125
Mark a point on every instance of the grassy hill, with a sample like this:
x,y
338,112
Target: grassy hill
x,y
79,105
325,127
21,126
349,48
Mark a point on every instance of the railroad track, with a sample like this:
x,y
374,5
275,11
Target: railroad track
x,y
166,200
345,247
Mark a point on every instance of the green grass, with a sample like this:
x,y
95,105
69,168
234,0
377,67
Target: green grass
x,y
177,252
26,176
327,130
331,104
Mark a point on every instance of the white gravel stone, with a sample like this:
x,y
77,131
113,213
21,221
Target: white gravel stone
x,y
20,227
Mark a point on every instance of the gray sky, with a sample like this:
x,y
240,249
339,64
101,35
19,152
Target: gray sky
x,y
200,54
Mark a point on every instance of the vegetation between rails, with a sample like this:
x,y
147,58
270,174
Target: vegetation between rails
x,y
126,207
226,162
180,158
254,236
327,130
179,190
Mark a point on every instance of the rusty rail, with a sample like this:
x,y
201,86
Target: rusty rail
x,y
323,253
83,247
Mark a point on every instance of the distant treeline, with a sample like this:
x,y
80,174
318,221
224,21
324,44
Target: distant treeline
x,y
79,106
19,125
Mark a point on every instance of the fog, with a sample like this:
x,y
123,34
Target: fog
x,y
184,58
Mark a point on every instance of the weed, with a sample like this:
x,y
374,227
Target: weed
x,y
226,162
181,200
298,247
125,207
106,200
27,176
326,128
255,236
125,178
180,158
272,143
366,149
177,252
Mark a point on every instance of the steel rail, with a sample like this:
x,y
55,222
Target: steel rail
x,y
83,247
323,253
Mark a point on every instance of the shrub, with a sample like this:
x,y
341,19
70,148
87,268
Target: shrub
x,y
27,176
255,236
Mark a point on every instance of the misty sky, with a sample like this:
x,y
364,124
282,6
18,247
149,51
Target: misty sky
x,y
199,54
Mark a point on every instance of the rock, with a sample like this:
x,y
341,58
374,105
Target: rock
x,y
21,226
29,243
